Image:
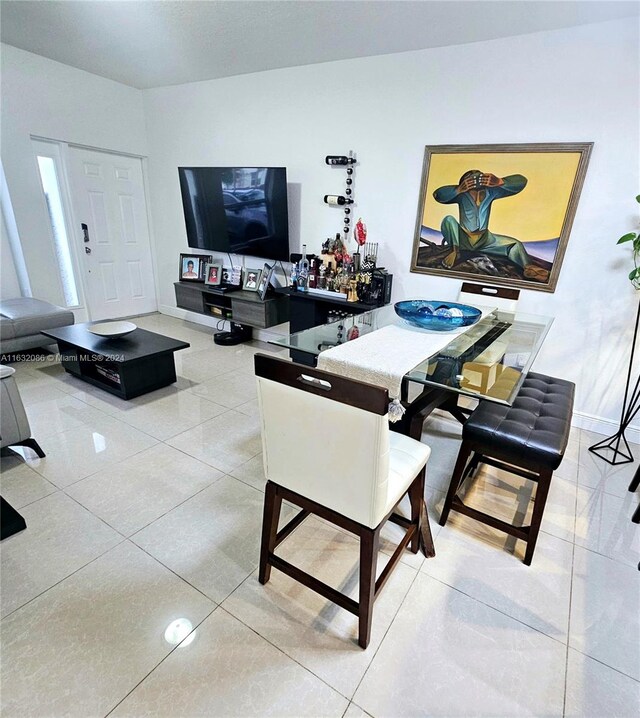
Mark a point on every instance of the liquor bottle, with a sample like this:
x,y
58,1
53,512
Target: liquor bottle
x,y
337,199
328,279
294,276
321,284
313,274
339,160
303,270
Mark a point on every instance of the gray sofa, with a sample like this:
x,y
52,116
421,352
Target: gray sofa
x,y
22,320
14,425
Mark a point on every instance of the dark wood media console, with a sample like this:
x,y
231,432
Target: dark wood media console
x,y
238,306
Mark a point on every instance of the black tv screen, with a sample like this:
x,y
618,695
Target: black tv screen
x,y
240,210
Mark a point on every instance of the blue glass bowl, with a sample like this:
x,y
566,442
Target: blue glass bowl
x,y
438,316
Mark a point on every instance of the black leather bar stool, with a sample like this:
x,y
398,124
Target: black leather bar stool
x,y
527,439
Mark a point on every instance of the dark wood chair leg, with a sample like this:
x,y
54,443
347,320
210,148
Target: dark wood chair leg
x,y
270,518
635,481
456,479
369,541
544,482
416,497
33,444
473,464
11,522
633,486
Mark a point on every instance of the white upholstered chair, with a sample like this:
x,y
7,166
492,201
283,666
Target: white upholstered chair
x,y
354,480
486,295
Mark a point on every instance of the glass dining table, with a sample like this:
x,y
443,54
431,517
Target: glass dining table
x,y
488,360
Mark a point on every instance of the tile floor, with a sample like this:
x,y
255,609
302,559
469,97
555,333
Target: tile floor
x,y
148,512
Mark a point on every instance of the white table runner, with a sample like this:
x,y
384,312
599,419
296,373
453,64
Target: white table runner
x,y
384,356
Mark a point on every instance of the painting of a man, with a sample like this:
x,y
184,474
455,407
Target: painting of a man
x,y
474,195
499,214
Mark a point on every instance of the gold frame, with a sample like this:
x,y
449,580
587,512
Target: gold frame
x,y
584,148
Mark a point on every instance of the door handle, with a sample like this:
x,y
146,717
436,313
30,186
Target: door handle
x,y
87,250
85,231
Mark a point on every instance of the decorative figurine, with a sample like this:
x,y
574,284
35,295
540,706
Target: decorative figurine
x,y
353,294
360,233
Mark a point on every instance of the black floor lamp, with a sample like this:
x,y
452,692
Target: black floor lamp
x,y
617,443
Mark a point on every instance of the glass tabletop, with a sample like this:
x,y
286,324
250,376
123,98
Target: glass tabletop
x,y
487,360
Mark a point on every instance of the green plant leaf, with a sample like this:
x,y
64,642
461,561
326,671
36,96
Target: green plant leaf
x,y
638,198
627,238
633,274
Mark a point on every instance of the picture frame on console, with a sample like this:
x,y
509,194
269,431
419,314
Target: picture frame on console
x,y
192,267
265,279
213,275
235,276
251,279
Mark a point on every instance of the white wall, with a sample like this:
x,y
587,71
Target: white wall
x,y
9,286
44,98
573,85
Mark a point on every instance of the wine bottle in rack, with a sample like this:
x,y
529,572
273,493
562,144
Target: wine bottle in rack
x,y
339,160
337,199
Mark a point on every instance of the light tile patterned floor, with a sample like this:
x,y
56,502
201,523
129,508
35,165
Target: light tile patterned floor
x,y
148,511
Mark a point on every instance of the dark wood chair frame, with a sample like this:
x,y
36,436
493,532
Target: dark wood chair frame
x,y
633,486
369,398
471,455
490,290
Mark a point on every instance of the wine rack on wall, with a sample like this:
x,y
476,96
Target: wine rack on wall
x,y
347,199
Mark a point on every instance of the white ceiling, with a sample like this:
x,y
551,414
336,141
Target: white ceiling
x,y
150,43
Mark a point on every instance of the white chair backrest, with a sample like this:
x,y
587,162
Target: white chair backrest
x,y
487,295
319,441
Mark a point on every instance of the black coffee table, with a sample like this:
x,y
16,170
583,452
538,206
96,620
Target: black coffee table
x,y
126,366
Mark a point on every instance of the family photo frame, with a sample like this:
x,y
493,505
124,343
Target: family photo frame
x,y
251,279
498,213
265,279
192,267
213,274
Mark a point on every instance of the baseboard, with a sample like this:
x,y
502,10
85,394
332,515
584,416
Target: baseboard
x,y
193,317
606,427
263,335
589,422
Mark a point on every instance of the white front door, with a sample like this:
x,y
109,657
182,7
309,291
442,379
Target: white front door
x,y
112,233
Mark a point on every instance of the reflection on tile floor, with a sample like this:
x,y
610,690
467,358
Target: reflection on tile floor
x,y
133,591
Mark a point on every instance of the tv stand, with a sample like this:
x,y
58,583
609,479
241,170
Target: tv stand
x,y
245,310
239,333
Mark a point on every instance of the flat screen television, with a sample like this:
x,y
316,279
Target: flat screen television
x,y
240,210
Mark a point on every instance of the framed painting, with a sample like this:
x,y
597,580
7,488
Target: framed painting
x,y
498,213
